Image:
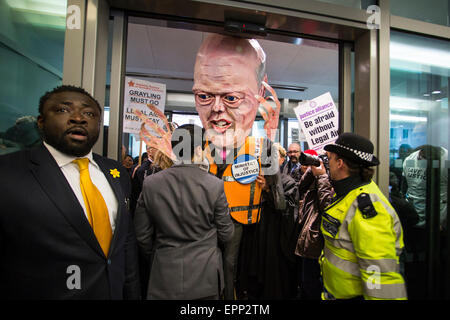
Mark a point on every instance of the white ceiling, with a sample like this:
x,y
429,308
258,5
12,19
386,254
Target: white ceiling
x,y
170,53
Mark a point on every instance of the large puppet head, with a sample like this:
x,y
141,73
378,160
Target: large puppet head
x,y
228,74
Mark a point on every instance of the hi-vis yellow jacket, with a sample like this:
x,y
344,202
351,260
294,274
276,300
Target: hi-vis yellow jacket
x,y
243,199
361,253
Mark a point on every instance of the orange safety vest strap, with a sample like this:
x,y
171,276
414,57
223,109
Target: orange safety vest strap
x,y
244,199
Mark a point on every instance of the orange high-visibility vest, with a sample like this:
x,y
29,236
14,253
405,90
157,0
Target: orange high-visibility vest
x,y
243,199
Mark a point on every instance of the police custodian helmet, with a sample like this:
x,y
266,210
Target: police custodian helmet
x,y
355,148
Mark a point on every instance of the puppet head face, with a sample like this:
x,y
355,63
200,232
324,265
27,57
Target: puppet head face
x,y
227,76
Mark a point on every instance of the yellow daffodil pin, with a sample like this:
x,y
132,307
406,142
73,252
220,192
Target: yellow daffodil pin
x,y
115,173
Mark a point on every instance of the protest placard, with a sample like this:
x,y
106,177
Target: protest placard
x,y
319,121
138,93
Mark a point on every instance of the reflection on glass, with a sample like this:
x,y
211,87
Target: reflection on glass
x,y
293,131
415,174
31,59
436,11
133,145
419,142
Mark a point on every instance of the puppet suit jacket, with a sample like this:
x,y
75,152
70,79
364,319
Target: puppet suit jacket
x,y
46,239
186,210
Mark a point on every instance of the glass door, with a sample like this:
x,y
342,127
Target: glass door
x,y
298,69
419,161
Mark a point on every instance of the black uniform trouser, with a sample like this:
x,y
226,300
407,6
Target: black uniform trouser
x,y
310,283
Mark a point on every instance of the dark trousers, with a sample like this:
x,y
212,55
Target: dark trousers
x,y
310,283
416,264
230,259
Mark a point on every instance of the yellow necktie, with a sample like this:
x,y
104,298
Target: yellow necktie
x,y
96,208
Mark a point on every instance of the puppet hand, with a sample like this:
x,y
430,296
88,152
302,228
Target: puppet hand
x,y
151,139
269,114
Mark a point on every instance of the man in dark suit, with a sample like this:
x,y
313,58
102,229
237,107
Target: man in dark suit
x,y
140,171
57,240
187,210
292,167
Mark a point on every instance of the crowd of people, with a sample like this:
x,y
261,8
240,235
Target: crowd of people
x,y
222,218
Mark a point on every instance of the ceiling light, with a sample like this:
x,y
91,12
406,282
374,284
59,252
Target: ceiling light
x,y
398,117
426,94
436,92
47,7
420,55
403,103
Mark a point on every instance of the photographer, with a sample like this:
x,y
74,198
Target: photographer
x,y
315,193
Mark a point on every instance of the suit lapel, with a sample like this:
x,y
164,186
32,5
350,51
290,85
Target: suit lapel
x,y
116,187
47,172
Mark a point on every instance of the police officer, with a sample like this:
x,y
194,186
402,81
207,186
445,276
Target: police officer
x,y
363,234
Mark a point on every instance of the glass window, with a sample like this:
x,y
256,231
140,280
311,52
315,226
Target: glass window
x,y
31,61
419,143
435,11
298,69
295,134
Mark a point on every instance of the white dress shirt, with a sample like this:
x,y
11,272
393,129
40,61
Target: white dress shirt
x,y
72,174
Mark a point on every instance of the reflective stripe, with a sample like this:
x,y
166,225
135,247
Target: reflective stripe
x,y
383,265
342,264
397,225
228,178
386,291
343,230
338,243
252,196
326,295
244,208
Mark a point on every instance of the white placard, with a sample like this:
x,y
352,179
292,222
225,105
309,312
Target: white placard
x,y
319,120
138,93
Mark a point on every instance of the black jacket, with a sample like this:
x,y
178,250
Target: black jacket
x,y
45,235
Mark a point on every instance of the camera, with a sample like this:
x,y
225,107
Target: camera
x,y
308,160
324,159
325,162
